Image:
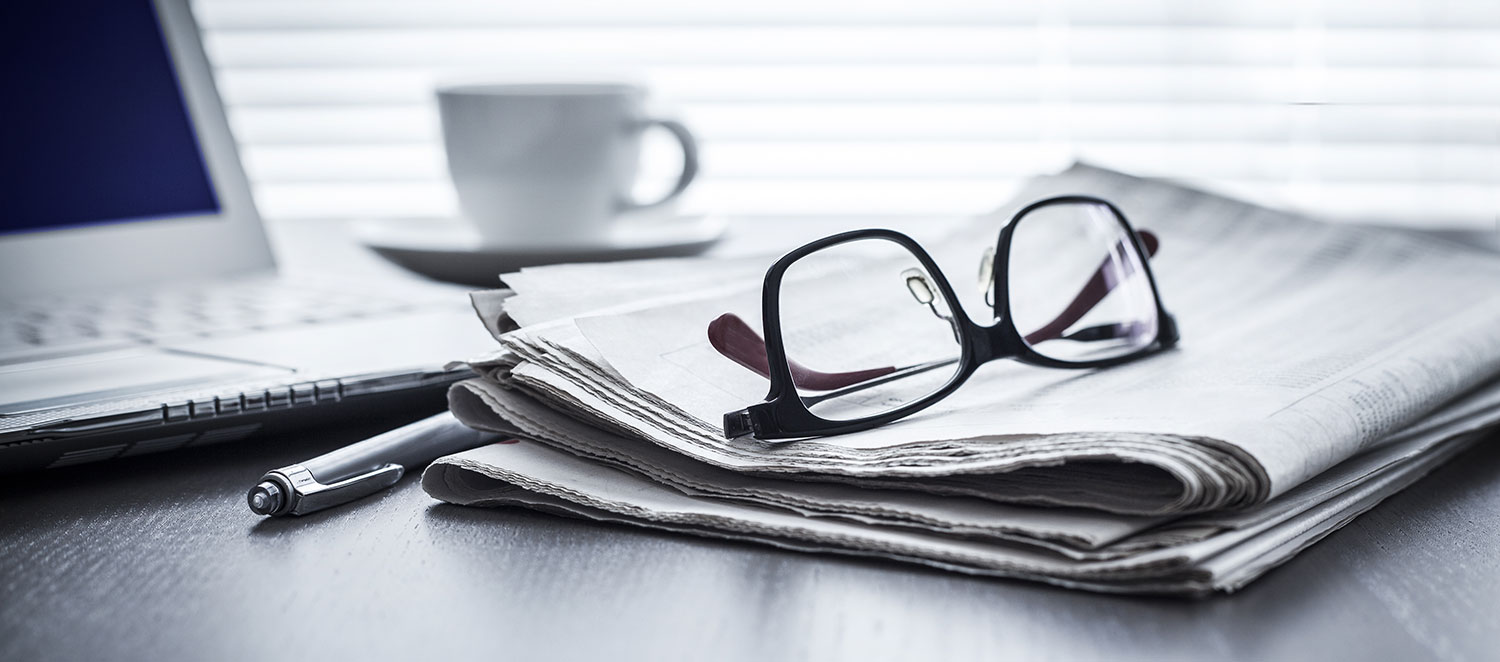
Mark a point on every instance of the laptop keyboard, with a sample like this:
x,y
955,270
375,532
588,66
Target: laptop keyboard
x,y
216,309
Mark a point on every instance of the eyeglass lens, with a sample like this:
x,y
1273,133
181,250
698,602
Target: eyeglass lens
x,y
1077,285
866,329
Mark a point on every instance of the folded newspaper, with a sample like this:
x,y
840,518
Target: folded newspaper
x,y
1322,367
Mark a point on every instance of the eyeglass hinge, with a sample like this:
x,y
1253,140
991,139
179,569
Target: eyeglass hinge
x,y
738,424
1168,336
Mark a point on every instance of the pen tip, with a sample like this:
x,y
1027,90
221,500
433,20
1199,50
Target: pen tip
x,y
265,498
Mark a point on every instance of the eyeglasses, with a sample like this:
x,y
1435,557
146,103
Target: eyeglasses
x,y
862,328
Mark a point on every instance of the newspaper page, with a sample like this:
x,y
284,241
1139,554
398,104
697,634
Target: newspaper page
x,y
1303,344
1322,368
537,476
1073,532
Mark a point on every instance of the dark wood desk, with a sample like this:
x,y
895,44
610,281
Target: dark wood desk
x,y
157,558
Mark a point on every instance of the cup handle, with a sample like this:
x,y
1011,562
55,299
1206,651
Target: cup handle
x,y
689,163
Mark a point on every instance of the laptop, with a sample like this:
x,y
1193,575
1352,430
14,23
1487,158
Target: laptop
x,y
140,306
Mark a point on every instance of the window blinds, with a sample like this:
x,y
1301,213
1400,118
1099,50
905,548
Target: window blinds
x,y
1375,110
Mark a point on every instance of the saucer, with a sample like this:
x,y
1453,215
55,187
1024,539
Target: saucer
x,y
449,249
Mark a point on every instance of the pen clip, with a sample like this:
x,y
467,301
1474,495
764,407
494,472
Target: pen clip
x,y
308,495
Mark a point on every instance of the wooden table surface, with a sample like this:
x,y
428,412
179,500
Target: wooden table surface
x,y
158,558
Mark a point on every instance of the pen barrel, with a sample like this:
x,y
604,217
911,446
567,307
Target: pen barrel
x,y
409,446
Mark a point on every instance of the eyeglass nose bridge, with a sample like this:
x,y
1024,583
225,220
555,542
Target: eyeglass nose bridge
x,y
988,342
994,342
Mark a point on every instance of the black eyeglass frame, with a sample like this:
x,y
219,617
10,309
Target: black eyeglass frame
x,y
784,415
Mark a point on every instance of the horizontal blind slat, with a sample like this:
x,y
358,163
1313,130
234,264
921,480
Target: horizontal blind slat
x,y
1420,204
911,83
418,122
919,160
843,44
394,14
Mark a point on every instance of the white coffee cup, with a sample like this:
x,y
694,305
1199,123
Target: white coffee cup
x,y
550,164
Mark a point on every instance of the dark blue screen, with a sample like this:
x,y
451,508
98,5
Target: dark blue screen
x,y
93,128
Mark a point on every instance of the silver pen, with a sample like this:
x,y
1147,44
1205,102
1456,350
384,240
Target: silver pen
x,y
363,468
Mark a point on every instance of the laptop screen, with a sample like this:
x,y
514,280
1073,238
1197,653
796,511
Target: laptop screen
x,y
93,126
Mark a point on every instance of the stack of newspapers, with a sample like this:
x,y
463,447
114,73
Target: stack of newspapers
x,y
1322,367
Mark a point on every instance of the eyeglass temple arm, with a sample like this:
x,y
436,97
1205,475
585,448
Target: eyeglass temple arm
x,y
737,341
1094,291
734,338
